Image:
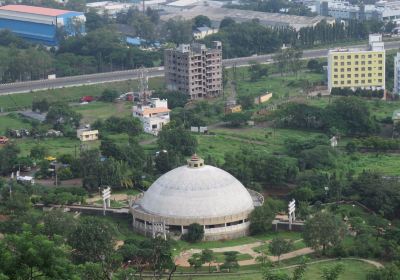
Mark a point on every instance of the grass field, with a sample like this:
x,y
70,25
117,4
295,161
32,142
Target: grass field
x,y
23,100
9,122
102,110
353,270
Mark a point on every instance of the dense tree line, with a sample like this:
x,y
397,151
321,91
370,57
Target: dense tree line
x,y
347,115
358,92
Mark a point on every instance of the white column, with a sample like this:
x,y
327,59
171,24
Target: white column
x,y
104,207
109,203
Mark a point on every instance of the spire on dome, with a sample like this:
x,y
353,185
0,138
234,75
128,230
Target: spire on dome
x,y
195,161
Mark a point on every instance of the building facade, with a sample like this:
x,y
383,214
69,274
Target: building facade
x,y
86,134
194,70
396,87
357,68
40,25
153,114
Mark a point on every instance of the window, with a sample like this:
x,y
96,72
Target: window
x,y
379,55
356,81
363,81
348,75
342,82
363,56
356,56
356,75
369,75
341,76
369,56
349,56
341,63
369,81
363,75
341,69
380,74
335,57
335,82
348,82
335,76
342,57
362,68
380,68
369,62
336,63
356,62
335,70
380,80
379,61
362,62
349,69
348,63
369,68
356,69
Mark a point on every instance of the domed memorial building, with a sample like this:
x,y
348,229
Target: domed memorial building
x,y
195,193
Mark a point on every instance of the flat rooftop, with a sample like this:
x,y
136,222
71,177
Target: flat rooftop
x,y
34,10
217,14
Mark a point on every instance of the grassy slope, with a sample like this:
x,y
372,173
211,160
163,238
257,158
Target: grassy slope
x,y
353,270
9,122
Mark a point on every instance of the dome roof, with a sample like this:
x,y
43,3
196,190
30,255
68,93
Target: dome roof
x,y
196,191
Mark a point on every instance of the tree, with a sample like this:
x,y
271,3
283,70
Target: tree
x,y
261,218
57,222
389,272
279,246
62,117
195,261
178,140
332,273
207,256
230,261
92,240
178,31
38,152
314,65
8,158
226,22
269,273
109,95
201,21
323,230
29,256
195,233
257,71
236,119
40,105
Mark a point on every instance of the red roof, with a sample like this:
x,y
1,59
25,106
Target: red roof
x,y
34,10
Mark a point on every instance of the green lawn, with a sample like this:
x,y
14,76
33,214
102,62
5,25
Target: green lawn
x,y
23,100
54,146
103,110
220,257
182,245
353,270
12,123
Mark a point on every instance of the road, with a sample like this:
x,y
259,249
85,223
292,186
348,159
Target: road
x,y
29,86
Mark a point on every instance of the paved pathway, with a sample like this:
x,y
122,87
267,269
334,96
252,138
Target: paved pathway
x,y
182,259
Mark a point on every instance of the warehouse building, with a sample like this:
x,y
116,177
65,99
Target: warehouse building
x,y
358,68
40,25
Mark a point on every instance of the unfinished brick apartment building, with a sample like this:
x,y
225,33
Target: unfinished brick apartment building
x,y
194,70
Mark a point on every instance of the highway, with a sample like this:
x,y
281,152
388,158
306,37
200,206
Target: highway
x,y
29,86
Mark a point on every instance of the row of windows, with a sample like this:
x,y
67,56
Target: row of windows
x,y
356,62
349,82
356,56
356,75
355,69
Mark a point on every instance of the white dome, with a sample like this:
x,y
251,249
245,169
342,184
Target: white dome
x,y
203,192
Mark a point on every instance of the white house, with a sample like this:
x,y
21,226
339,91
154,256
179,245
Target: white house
x,y
86,134
204,31
153,115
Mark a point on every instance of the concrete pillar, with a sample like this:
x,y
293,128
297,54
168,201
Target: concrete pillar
x,y
182,229
104,207
108,203
145,228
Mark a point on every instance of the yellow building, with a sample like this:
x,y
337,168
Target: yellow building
x,y
357,68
